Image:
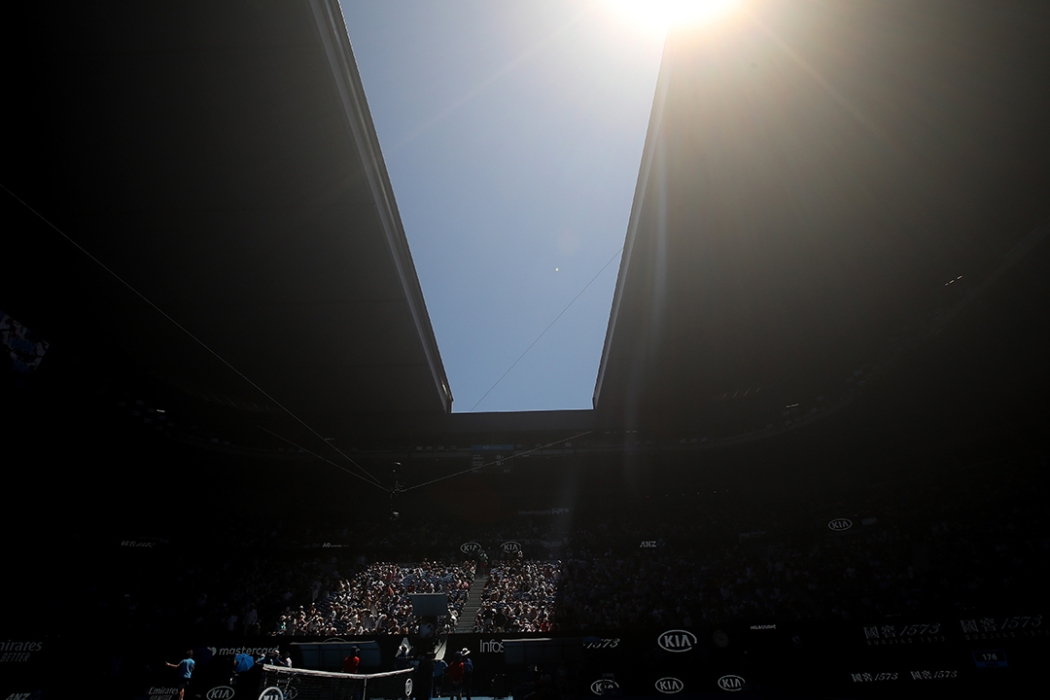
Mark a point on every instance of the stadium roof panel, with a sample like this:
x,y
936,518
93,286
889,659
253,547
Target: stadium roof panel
x,y
813,177
220,158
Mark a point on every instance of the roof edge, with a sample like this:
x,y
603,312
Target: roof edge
x,y
645,168
335,43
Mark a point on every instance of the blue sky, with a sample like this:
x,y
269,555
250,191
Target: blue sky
x,y
513,134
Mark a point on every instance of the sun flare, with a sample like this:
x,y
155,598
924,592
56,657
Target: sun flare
x,y
661,15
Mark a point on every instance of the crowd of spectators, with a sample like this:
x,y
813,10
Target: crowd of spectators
x,y
519,597
926,546
376,600
934,548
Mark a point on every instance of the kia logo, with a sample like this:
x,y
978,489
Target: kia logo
x,y
271,693
731,683
469,547
603,685
669,686
221,692
840,524
677,640
408,687
511,547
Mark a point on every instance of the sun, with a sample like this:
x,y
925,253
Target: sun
x,y
661,15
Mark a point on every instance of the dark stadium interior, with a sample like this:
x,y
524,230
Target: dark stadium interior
x,y
856,333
